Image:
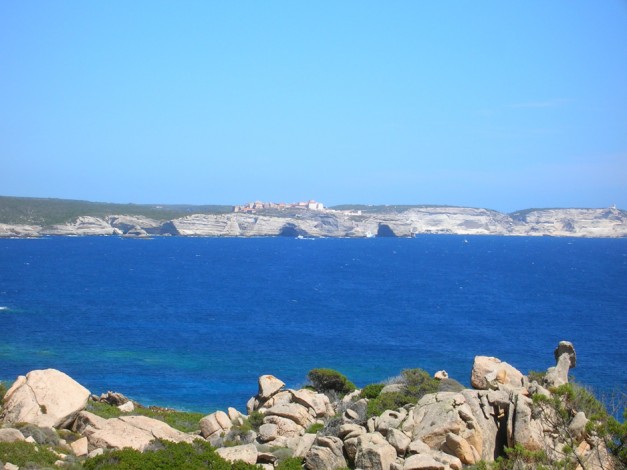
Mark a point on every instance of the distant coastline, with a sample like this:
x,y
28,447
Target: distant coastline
x,y
35,217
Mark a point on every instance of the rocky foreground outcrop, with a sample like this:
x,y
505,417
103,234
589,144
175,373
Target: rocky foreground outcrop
x,y
46,398
444,430
609,222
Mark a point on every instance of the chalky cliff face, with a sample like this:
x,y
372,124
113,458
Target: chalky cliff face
x,y
443,430
609,222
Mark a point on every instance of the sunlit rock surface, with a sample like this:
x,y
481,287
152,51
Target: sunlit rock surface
x,y
601,223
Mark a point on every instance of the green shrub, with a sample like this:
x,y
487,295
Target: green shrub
x,y
282,453
371,391
292,463
4,388
536,376
565,401
481,465
104,410
518,455
239,434
255,419
24,454
582,399
556,413
416,383
185,421
326,380
519,458
388,401
617,441
164,456
239,465
314,428
229,443
245,427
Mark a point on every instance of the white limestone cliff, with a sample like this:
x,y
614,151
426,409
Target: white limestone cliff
x,y
599,223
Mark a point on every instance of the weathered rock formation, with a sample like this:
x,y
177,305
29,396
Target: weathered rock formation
x,y
129,224
47,398
566,359
20,231
136,432
444,430
83,226
573,222
491,373
610,222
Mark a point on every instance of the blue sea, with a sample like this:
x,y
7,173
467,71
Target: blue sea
x,y
191,323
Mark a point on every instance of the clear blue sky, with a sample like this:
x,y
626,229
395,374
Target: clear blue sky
x,y
505,105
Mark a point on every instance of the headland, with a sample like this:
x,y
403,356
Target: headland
x,y
31,217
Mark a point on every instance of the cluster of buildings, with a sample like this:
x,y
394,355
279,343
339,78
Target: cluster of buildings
x,y
258,205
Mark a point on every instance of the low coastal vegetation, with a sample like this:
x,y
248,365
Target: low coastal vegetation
x,y
184,421
411,386
3,390
329,380
43,211
50,211
508,421
27,455
371,391
165,455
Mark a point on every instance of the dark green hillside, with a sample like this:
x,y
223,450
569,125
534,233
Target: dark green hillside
x,y
39,211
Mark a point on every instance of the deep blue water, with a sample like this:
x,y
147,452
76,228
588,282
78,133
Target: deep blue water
x,y
192,322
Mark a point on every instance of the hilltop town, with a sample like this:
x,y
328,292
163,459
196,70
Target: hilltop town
x,y
253,207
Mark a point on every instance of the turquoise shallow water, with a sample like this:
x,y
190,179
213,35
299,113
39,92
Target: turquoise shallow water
x,y
192,322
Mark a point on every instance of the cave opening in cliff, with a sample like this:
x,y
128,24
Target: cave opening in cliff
x,y
385,231
291,230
